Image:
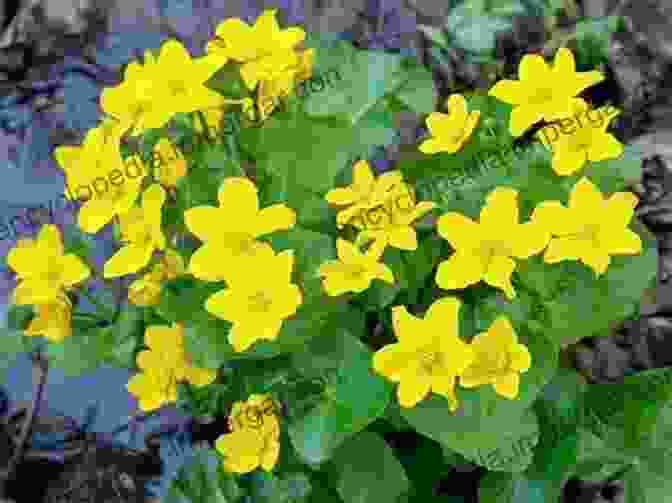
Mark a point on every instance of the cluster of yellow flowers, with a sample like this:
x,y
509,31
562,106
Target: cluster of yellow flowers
x,y
429,354
590,229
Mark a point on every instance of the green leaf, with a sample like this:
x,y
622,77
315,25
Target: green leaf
x,y
501,441
636,410
367,77
615,175
357,396
587,306
202,480
84,350
305,151
498,487
368,471
418,92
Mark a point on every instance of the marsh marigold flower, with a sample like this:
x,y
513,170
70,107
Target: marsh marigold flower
x,y
254,440
264,49
429,355
499,359
89,170
230,231
52,320
354,270
43,271
259,298
591,228
543,92
146,291
586,142
152,93
391,222
365,192
141,233
162,366
484,250
450,131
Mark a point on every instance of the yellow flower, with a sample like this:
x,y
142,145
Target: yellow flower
x,y
354,270
450,131
543,92
484,251
585,143
142,234
280,82
230,231
255,437
391,223
146,291
259,412
499,360
365,192
95,165
591,228
258,299
149,95
134,99
172,164
42,269
52,320
152,389
264,49
163,365
429,355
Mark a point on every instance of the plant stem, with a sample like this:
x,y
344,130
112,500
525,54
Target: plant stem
x,y
204,125
40,368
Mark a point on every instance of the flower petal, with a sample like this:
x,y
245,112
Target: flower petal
x,y
462,269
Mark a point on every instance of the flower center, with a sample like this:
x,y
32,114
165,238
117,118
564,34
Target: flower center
x,y
429,360
377,218
241,243
356,272
490,249
456,136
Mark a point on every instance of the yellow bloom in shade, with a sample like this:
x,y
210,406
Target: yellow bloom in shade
x,y
230,231
162,366
391,223
450,131
52,320
264,49
484,250
365,192
141,231
499,359
172,164
258,299
586,143
543,92
147,290
258,412
591,228
255,437
43,271
429,355
354,270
